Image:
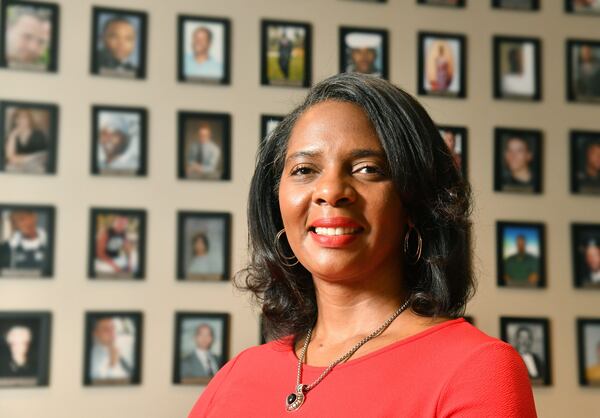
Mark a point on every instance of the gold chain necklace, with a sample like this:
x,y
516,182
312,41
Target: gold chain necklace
x,y
295,399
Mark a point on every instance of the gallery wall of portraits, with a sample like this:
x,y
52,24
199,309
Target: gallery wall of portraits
x,y
128,131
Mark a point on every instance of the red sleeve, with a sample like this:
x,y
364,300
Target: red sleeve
x,y
201,408
491,382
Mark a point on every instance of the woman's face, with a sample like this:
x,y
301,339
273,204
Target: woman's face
x,y
342,214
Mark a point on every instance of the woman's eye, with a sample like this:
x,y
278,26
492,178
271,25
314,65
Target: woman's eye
x,y
301,171
369,169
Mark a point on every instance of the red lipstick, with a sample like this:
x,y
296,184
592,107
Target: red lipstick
x,y
335,232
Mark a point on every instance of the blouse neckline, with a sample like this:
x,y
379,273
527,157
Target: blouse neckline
x,y
421,334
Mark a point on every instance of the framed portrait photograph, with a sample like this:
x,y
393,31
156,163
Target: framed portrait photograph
x,y
117,244
517,73
204,146
113,348
583,7
204,49
586,255
28,137
588,349
119,43
518,160
201,346
286,53
364,50
267,124
585,162
531,338
29,38
456,138
521,254
119,140
445,3
583,70
24,348
203,246
442,65
26,241
516,4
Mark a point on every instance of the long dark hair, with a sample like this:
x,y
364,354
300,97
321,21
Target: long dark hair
x,y
434,194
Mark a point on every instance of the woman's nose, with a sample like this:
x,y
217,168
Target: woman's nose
x,y
333,188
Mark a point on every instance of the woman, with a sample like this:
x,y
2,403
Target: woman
x,y
359,229
26,147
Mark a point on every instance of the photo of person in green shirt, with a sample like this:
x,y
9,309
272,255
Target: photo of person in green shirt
x,y
522,255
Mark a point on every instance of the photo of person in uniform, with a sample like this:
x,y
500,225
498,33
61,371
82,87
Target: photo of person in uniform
x,y
203,246
586,255
119,141
529,336
24,338
521,255
517,161
204,49
112,352
441,65
588,338
456,139
285,54
30,35
26,241
29,138
119,43
516,68
585,162
118,244
201,346
204,146
363,51
583,6
584,70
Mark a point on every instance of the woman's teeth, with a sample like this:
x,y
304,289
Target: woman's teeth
x,y
335,231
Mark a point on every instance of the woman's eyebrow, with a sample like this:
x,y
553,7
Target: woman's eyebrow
x,y
366,152
302,154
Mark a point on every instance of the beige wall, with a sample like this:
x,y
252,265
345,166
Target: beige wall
x,y
73,190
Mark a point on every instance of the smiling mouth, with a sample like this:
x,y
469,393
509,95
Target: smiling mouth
x,y
332,232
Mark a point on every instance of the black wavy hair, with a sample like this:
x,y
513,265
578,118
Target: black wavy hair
x,y
434,194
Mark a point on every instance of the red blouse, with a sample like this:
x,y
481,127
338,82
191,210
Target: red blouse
x,y
449,370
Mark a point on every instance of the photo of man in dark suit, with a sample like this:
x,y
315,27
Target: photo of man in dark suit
x,y
534,363
201,362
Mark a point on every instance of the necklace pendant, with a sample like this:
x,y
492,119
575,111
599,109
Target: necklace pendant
x,y
295,399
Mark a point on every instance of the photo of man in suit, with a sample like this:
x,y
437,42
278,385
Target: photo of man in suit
x,y
534,363
203,155
201,362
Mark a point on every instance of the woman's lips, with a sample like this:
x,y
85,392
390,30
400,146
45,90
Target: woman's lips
x,y
334,232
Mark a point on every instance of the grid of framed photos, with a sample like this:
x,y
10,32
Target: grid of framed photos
x,y
204,144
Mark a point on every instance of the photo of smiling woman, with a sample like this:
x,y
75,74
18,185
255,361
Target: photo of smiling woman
x,y
359,226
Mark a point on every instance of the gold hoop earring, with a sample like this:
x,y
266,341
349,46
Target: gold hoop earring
x,y
283,258
416,257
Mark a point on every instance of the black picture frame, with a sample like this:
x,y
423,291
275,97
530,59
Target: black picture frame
x,y
182,74
532,5
137,72
588,372
423,37
53,10
51,135
220,262
96,266
38,324
266,125
213,121
585,238
9,267
520,266
141,134
504,180
126,366
191,363
538,358
574,88
570,8
382,34
306,79
518,65
461,147
580,143
444,3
